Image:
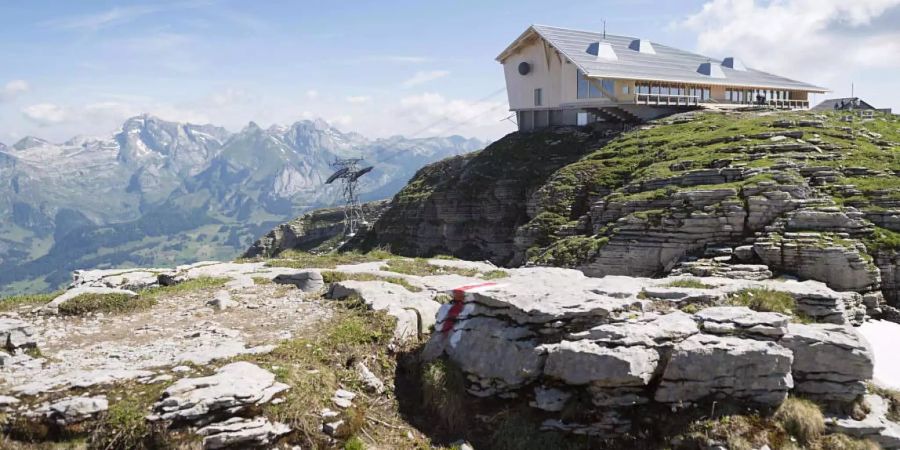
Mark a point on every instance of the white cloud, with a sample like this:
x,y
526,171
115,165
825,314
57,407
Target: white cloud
x,y
312,94
359,99
46,114
13,89
422,77
821,41
432,114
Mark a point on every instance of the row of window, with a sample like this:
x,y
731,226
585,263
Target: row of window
x,y
702,93
754,95
587,89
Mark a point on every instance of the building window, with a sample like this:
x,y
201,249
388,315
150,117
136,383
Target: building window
x,y
625,89
584,86
587,88
609,86
537,97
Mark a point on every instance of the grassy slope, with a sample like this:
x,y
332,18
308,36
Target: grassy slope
x,y
663,150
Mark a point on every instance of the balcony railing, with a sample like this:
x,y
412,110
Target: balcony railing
x,y
782,104
694,100
666,99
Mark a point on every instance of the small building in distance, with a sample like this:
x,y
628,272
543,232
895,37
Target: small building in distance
x,y
847,104
558,76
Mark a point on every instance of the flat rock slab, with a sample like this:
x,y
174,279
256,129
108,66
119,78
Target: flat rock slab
x,y
232,388
649,331
742,320
241,432
535,296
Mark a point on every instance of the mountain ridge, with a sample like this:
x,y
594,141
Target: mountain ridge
x,y
200,176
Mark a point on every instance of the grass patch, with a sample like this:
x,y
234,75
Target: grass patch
x,y
194,284
689,283
840,441
124,425
334,277
303,260
801,419
882,239
261,281
27,300
316,366
444,392
495,275
767,300
422,268
105,303
569,252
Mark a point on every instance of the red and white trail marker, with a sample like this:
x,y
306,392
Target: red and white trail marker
x,y
461,296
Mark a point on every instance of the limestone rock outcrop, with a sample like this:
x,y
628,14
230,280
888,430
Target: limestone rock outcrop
x,y
241,432
552,335
232,388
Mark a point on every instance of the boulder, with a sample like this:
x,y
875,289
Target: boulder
x,y
16,334
726,367
831,362
232,388
72,410
241,432
305,280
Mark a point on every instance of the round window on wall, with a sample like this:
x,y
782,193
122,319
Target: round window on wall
x,y
524,68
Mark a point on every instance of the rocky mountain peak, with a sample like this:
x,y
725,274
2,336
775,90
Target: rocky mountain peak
x,y
29,142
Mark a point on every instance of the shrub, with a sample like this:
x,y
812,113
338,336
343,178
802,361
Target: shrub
x,y
104,303
802,419
354,443
765,300
443,392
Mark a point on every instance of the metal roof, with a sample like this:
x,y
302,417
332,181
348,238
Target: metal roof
x,y
660,63
843,103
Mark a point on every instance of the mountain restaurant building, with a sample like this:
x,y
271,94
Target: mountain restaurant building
x,y
557,76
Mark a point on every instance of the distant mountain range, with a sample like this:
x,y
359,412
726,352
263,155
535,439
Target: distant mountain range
x,y
164,193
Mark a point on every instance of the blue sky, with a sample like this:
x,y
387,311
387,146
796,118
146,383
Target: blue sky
x,y
380,68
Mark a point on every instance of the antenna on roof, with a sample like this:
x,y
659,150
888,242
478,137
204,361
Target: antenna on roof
x,y
604,29
348,172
